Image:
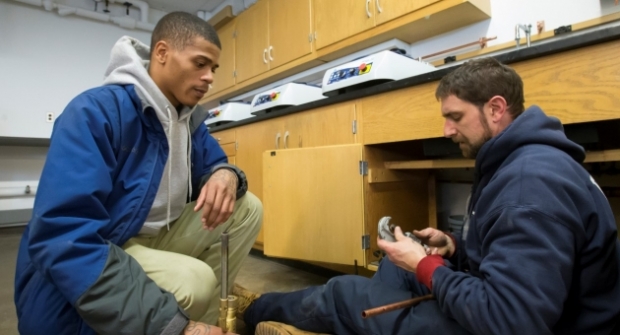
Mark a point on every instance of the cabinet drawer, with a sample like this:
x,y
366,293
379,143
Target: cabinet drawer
x,y
229,149
224,137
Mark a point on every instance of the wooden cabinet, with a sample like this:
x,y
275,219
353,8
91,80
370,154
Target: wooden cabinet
x,y
386,10
564,85
328,125
253,140
277,38
323,126
407,114
228,143
271,33
320,206
290,31
252,41
324,187
312,202
224,76
337,20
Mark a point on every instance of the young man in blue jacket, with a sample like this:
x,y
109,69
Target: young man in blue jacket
x,y
539,252
133,198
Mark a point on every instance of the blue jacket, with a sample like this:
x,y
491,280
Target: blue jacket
x,y
105,161
541,247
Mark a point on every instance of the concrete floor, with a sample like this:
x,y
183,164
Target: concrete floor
x,y
258,274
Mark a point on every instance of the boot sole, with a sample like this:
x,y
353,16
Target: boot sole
x,y
264,328
271,328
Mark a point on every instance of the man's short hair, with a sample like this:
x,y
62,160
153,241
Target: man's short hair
x,y
477,81
180,29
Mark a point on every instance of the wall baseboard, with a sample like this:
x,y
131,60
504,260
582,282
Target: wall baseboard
x,y
16,217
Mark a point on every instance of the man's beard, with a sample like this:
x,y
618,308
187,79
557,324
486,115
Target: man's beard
x,y
474,148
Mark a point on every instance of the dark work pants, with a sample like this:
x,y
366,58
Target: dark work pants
x,y
337,306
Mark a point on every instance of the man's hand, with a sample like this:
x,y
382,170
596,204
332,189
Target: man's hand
x,y
405,253
217,198
438,241
199,328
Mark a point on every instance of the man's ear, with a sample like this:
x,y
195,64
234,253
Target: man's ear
x,y
499,108
161,52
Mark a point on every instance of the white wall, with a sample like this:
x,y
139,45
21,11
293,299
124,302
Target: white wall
x,y
505,14
45,61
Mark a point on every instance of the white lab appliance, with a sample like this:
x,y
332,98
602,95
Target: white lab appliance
x,y
290,94
379,67
228,112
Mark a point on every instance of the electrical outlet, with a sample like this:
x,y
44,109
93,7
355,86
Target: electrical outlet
x,y
49,117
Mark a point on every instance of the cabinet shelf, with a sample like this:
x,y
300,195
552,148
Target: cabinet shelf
x,y
591,157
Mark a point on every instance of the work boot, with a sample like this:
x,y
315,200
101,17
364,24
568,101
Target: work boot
x,y
277,328
244,299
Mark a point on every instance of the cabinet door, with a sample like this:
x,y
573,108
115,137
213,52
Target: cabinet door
x,y
253,140
330,125
390,9
337,20
289,31
224,75
252,41
313,204
411,113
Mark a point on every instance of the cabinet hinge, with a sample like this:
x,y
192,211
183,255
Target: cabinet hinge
x,y
236,146
365,242
363,168
354,127
235,74
310,38
235,34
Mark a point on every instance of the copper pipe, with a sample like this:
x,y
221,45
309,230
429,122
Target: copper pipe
x,y
482,42
397,305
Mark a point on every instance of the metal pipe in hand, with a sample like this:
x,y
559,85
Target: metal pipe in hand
x,y
397,305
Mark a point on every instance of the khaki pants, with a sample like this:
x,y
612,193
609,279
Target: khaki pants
x,y
186,260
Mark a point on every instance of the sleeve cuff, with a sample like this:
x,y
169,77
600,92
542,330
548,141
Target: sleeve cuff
x,y
427,267
242,181
454,243
177,324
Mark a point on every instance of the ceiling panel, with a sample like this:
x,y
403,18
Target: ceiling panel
x,y
190,6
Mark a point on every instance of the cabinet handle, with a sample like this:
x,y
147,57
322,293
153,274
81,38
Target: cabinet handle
x,y
286,140
379,6
265,56
367,9
278,141
270,52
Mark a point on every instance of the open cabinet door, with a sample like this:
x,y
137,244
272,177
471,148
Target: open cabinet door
x,y
313,204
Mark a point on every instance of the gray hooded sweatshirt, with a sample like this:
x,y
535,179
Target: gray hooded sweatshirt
x,y
129,62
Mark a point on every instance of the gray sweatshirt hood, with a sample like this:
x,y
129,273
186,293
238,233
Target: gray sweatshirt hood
x,y
129,62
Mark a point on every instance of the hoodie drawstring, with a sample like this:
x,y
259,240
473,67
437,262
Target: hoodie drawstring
x,y
169,166
189,159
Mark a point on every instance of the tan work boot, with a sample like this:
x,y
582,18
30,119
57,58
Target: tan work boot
x,y
244,299
277,328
